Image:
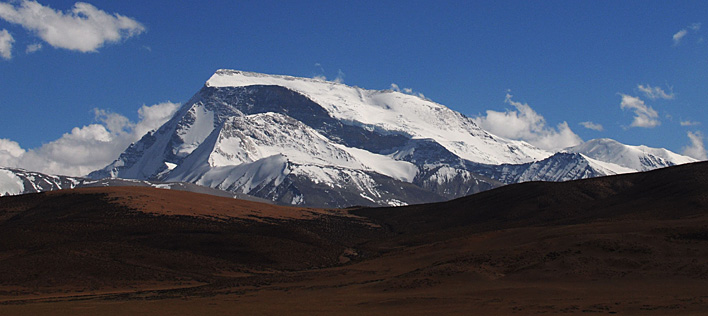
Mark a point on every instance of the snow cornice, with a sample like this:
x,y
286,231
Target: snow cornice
x,y
238,78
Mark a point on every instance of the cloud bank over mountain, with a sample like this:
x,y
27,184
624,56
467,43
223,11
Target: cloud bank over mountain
x,y
89,147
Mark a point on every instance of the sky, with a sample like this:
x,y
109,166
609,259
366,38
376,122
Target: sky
x,y
80,81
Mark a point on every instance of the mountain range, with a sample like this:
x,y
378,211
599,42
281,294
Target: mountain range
x,y
310,142
631,244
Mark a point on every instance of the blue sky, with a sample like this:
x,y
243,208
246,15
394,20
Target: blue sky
x,y
638,69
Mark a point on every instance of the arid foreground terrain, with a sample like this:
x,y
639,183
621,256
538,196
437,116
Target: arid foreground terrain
x,y
629,245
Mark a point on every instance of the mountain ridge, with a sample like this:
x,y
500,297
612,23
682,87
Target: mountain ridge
x,y
640,158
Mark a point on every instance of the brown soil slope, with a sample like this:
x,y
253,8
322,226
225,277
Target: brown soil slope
x,y
113,237
630,245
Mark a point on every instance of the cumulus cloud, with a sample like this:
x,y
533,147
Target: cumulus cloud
x,y
655,92
395,87
90,147
696,149
592,126
10,151
152,117
525,124
6,41
33,48
85,28
690,123
644,115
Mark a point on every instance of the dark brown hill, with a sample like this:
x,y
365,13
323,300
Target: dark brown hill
x,y
633,244
669,193
98,237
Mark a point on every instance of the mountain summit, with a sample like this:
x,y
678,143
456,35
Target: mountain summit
x,y
319,143
640,158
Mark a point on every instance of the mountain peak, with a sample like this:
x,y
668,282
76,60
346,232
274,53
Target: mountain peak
x,y
319,143
640,158
393,113
239,78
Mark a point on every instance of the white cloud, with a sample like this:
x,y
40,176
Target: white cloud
x,y
410,91
678,36
90,147
6,41
690,123
696,149
644,115
655,92
525,124
592,126
85,28
33,48
340,76
319,73
152,117
10,151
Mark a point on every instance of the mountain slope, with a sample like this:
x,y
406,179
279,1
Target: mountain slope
x,y
559,167
18,181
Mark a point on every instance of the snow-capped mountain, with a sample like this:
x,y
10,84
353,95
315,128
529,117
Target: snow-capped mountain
x,y
639,158
283,138
392,113
15,181
559,167
311,142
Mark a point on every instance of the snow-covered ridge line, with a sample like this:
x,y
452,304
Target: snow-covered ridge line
x,y
396,112
16,181
639,158
608,168
228,78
